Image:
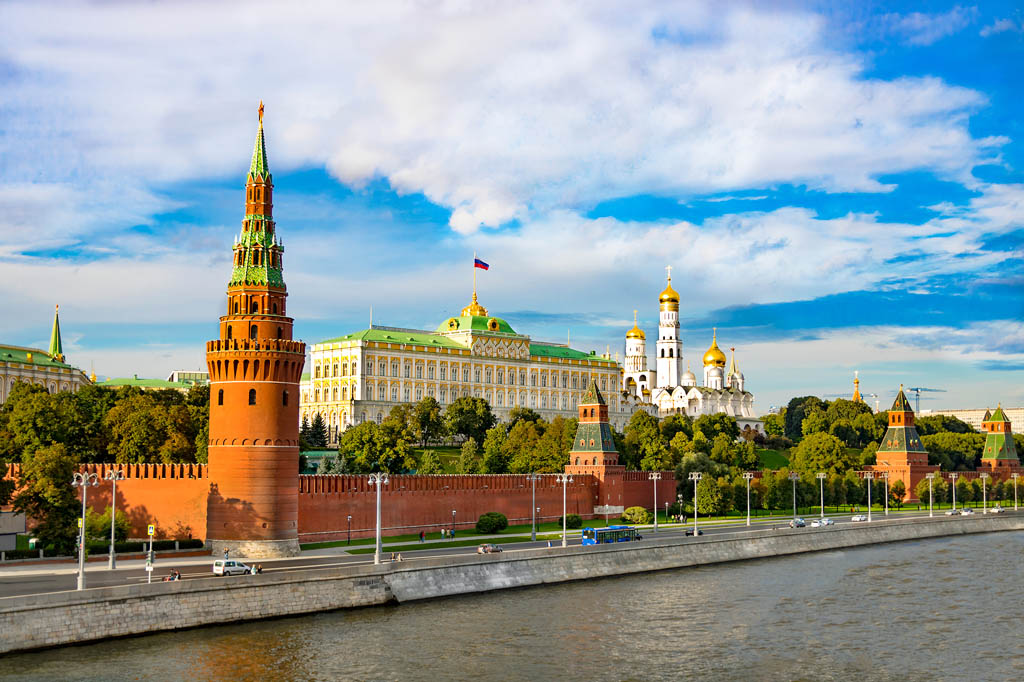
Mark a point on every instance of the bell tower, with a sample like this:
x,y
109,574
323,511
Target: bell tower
x,y
255,368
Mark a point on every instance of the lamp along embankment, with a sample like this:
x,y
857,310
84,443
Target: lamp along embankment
x,y
61,618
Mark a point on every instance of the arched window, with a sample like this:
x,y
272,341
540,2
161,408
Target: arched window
x,y
274,307
252,332
255,306
236,307
670,352
220,397
229,331
280,333
284,398
252,396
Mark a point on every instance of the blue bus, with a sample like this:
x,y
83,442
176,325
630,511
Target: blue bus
x,y
598,536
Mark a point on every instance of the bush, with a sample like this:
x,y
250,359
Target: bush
x,y
120,547
191,544
22,554
491,522
636,515
572,521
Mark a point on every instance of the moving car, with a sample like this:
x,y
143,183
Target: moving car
x,y
966,512
230,567
859,517
996,510
487,548
689,532
827,522
953,512
821,523
797,523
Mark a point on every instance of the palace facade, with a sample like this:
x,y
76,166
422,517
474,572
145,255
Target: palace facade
x,y
46,368
360,376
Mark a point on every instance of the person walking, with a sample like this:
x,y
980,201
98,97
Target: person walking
x,y
225,554
423,536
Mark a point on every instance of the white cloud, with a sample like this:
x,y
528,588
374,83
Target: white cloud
x,y
1001,26
918,28
499,111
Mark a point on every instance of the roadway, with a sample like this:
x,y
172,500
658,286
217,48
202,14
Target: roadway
x,y
22,580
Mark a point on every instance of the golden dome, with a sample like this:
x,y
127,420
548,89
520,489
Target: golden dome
x,y
714,355
474,309
636,332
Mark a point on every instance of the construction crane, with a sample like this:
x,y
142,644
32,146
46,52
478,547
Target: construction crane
x,y
919,391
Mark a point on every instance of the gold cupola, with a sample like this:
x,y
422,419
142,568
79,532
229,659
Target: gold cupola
x,y
636,332
474,309
856,388
669,298
714,355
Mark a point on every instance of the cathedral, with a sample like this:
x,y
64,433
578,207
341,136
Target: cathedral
x,y
675,391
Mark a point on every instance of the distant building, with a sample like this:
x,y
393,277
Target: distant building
x,y
46,368
976,416
190,376
147,384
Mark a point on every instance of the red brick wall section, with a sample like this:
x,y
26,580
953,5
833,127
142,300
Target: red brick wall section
x,y
638,489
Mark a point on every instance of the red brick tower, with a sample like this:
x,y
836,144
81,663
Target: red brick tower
x,y
901,453
254,390
593,452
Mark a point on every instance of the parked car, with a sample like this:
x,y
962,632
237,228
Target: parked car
x,y
966,512
487,548
797,523
952,512
689,532
230,567
858,517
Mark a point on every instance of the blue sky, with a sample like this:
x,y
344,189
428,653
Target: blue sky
x,y
837,188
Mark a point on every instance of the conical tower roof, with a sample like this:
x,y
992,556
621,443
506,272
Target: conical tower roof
x,y
56,351
593,395
259,169
901,404
998,415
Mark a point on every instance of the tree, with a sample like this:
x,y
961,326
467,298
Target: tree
x,y
897,490
814,422
522,445
521,414
855,489
796,412
491,522
713,424
496,455
143,427
318,431
941,423
428,421
954,451
333,466
45,495
97,526
363,447
469,460
821,452
867,429
636,516
644,442
430,464
774,424
868,455
554,445
469,417
844,431
709,496
675,424
848,410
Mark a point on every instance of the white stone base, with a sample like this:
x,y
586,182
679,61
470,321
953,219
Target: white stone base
x,y
253,549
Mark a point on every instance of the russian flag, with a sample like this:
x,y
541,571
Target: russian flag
x,y
477,263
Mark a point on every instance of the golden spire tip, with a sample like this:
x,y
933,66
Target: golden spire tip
x,y
261,112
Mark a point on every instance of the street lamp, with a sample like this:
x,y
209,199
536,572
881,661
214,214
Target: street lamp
x,y
565,480
695,476
533,478
931,477
83,481
984,497
679,500
748,476
821,484
113,476
655,476
793,476
952,480
453,524
350,529
1014,477
869,476
885,475
379,479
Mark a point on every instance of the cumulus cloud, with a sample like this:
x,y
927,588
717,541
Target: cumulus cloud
x,y
918,28
1001,26
498,111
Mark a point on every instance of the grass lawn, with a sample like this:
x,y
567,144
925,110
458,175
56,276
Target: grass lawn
x,y
773,459
449,457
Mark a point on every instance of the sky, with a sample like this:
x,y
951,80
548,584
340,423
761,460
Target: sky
x,y
838,187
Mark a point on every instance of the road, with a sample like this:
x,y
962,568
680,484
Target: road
x,y
37,579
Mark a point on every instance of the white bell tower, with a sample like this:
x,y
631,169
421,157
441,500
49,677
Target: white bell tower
x,y
669,345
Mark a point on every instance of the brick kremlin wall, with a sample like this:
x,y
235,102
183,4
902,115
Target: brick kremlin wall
x,y
174,498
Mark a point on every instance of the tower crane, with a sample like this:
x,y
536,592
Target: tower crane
x,y
919,391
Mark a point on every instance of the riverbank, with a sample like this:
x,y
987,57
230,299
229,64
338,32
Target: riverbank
x,y
70,617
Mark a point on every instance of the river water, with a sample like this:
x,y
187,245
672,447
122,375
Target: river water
x,y
939,609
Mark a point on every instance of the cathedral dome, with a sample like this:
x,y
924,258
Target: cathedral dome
x,y
689,378
714,355
669,295
636,332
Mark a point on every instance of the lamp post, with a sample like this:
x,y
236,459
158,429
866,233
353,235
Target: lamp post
x,y
679,501
748,476
821,484
565,480
113,476
453,524
83,481
984,497
869,476
793,476
379,479
1014,477
694,476
931,477
532,478
885,475
952,480
349,529
666,513
655,476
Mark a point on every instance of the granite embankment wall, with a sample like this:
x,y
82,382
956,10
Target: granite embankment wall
x,y
67,617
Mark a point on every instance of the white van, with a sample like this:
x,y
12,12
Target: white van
x,y
230,567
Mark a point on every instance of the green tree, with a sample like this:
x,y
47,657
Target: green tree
x,y
495,451
45,495
867,429
428,421
363,447
522,445
774,424
143,428
814,422
844,431
643,440
964,492
318,431
469,457
855,490
519,414
636,516
554,445
941,423
675,424
848,410
709,496
821,452
796,412
955,451
430,464
868,455
897,490
713,424
469,417
304,434
97,526
333,466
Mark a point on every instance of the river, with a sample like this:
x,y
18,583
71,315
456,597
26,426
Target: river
x,y
947,608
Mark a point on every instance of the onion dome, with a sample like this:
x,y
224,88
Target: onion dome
x,y
689,378
714,355
636,332
669,296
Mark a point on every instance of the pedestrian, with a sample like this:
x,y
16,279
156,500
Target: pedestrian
x,y
549,544
259,569
392,556
399,556
225,554
423,536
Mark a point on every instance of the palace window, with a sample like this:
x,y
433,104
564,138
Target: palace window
x,y
575,381
444,394
419,394
501,377
563,402
511,377
335,369
476,375
405,395
407,368
334,394
369,368
604,383
316,396
430,392
533,400
394,394
544,379
394,369
533,379
544,401
444,372
316,372
380,393
522,378
430,372
500,398
487,376
344,392
565,381
465,374
419,371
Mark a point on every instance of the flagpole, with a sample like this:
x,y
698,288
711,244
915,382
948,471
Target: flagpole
x,y
474,275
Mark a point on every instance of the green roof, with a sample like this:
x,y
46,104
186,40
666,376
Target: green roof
x,y
901,439
144,383
998,415
593,437
545,350
476,323
20,355
260,168
592,396
398,336
901,404
999,446
56,348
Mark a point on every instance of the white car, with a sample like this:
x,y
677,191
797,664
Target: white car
x,y
859,517
827,522
996,510
230,567
953,512
966,512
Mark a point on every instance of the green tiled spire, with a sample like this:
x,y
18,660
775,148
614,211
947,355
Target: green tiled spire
x,y
592,396
259,169
999,444
56,351
901,404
